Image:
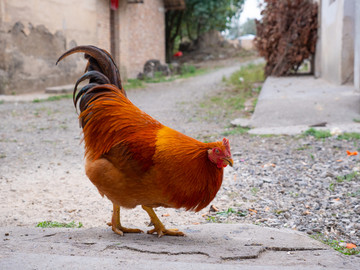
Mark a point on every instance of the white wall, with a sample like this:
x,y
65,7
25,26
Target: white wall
x,y
357,47
337,41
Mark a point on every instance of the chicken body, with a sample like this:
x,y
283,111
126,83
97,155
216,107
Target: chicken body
x,y
135,160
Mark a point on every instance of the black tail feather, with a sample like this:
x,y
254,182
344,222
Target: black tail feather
x,y
81,92
100,69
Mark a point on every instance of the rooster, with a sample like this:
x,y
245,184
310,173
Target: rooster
x,y
132,158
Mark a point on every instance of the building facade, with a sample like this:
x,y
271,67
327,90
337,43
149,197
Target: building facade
x,y
338,48
34,33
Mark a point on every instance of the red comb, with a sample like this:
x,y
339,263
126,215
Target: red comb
x,y
226,143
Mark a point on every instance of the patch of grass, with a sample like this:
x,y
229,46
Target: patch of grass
x,y
159,77
304,147
231,211
254,191
238,97
236,131
354,194
212,219
1,102
246,85
53,98
247,76
226,213
188,71
349,136
133,83
337,245
55,224
356,120
348,177
318,134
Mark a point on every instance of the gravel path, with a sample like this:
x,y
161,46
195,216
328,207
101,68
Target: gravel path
x,y
277,181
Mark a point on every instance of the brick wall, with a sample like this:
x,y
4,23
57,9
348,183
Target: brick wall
x,y
142,35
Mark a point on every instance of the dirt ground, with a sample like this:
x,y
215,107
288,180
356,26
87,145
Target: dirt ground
x,y
277,181
42,167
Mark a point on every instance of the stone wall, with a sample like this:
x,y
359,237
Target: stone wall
x,y
34,33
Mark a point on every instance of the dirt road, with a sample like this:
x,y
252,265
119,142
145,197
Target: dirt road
x,y
41,171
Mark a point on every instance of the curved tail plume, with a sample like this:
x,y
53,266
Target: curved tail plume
x,y
100,70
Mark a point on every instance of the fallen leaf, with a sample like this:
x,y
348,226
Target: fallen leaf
x,y
252,210
351,153
204,215
350,245
267,208
339,160
337,199
165,215
268,165
213,208
196,223
234,177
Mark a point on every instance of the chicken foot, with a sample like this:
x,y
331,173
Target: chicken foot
x,y
116,225
159,228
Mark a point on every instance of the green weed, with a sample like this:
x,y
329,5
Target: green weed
x,y
236,131
53,98
318,134
349,136
226,213
304,147
133,83
55,224
354,194
231,211
348,177
254,191
337,245
242,87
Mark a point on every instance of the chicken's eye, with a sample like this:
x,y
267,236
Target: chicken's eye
x,y
217,151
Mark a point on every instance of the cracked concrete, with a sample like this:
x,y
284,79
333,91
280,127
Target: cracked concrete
x,y
289,105
211,246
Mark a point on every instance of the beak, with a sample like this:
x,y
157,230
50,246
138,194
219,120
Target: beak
x,y
229,161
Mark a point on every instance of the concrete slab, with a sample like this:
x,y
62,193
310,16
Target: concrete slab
x,y
211,246
289,105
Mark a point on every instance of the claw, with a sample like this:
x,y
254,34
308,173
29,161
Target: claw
x,y
116,225
159,228
162,231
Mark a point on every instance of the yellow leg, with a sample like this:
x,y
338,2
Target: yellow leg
x,y
159,228
116,225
